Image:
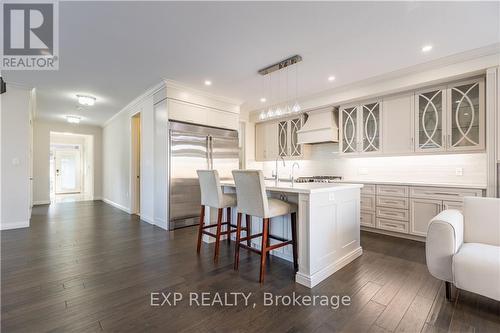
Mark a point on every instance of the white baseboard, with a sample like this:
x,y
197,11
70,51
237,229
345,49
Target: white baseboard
x,y
312,280
41,202
148,219
15,225
395,234
114,204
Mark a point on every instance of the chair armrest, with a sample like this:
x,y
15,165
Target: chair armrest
x,y
444,238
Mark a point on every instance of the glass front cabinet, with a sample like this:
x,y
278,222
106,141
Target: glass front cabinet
x,y
451,118
361,128
288,146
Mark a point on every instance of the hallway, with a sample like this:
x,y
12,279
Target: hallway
x,y
86,266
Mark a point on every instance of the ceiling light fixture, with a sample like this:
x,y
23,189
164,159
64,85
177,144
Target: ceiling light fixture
x,y
86,100
263,99
208,82
331,78
426,48
73,119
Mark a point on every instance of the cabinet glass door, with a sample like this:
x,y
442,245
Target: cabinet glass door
x,y
349,131
295,148
282,138
465,121
429,122
371,127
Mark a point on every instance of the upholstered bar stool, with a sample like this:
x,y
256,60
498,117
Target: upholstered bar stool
x,y
212,196
253,201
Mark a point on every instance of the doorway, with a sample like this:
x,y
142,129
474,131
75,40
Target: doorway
x,y
71,167
135,167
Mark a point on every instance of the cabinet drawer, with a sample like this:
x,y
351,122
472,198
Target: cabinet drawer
x,y
391,225
392,190
458,205
392,202
368,202
444,193
368,189
367,219
393,213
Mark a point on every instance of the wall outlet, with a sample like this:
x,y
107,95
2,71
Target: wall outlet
x,y
459,171
362,171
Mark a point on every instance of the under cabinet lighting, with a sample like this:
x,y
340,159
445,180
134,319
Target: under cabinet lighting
x,y
73,119
86,100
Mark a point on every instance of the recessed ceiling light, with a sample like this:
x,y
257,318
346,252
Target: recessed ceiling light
x,y
73,119
426,48
263,99
331,78
86,100
208,82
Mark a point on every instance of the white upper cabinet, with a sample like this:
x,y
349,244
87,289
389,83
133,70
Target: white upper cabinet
x,y
279,138
466,119
361,128
451,118
397,124
430,119
370,127
349,129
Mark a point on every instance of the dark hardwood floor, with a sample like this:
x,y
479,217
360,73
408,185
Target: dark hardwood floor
x,y
87,266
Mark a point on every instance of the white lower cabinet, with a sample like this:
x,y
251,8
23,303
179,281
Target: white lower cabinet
x,y
407,209
421,213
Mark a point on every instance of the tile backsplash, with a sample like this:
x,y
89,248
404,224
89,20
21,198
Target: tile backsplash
x,y
443,168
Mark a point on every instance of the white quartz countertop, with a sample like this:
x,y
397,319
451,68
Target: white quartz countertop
x,y
302,187
403,183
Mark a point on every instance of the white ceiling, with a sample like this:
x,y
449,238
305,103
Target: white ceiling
x,y
117,50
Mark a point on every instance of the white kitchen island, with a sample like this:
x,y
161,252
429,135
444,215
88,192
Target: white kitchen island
x,y
328,228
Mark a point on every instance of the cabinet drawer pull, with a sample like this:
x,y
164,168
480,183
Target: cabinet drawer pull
x,y
444,193
392,225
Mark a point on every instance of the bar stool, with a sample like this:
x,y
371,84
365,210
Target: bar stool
x,y
212,196
253,201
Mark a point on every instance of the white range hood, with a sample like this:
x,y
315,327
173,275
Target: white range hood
x,y
320,127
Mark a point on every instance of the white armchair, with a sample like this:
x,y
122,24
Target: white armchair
x,y
464,249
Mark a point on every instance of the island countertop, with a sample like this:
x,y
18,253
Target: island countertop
x,y
305,188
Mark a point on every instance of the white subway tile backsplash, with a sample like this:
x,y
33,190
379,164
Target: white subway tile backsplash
x,y
416,168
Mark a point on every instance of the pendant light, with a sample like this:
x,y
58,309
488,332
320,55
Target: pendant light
x,y
296,106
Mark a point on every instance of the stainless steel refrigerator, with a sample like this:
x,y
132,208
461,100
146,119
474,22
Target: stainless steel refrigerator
x,y
191,148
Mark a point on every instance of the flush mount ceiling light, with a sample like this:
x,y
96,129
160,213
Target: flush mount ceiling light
x,y
331,78
426,48
86,100
208,82
73,119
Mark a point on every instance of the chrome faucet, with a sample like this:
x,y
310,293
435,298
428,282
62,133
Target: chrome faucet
x,y
293,168
276,173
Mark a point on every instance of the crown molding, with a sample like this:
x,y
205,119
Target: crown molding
x,y
150,92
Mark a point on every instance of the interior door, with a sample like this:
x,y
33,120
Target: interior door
x,y
68,171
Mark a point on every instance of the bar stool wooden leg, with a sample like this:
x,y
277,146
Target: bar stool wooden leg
x,y
200,230
237,247
264,249
228,218
294,241
217,235
249,228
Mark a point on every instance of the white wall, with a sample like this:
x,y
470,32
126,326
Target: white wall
x,y
41,151
117,158
15,157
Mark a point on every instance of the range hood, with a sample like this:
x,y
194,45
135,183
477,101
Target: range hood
x,y
320,127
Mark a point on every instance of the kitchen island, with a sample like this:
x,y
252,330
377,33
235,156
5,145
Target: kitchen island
x,y
328,226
